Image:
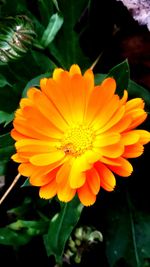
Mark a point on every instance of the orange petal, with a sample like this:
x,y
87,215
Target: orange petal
x,y
129,138
64,172
133,151
99,97
48,110
112,151
48,158
26,155
109,161
77,179
138,116
43,170
40,180
136,103
122,124
77,176
89,158
26,169
16,135
64,192
36,146
43,179
74,69
105,113
30,94
114,120
124,98
89,80
49,190
57,72
109,84
59,94
85,195
26,102
125,169
17,158
108,181
34,117
93,180
43,82
78,98
106,139
144,136
25,128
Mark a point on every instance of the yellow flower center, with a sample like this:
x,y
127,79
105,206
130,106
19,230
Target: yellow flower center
x,y
77,140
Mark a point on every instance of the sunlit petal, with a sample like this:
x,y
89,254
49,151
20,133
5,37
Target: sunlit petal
x,y
93,180
108,181
46,159
125,169
49,190
86,196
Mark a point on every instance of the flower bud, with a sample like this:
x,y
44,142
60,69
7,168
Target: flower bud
x,y
81,240
16,37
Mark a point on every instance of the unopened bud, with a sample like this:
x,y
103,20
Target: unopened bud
x,y
16,37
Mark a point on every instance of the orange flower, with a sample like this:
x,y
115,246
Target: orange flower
x,y
71,136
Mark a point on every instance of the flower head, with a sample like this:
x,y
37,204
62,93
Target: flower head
x,y
72,137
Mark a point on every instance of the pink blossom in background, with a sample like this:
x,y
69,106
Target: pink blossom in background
x,y
140,10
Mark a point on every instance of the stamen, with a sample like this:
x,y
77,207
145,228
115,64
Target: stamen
x,y
77,140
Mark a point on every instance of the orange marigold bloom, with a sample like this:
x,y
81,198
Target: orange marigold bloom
x,y
71,136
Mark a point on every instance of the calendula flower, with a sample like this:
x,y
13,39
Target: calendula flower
x,y
72,137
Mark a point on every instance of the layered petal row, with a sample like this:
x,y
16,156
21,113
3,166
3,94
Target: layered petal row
x,y
73,137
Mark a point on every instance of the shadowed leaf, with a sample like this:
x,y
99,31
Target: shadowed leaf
x,y
60,228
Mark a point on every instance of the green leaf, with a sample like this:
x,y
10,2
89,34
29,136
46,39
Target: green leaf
x,y
61,227
12,238
54,25
99,78
32,228
6,146
46,9
47,64
26,183
66,46
3,81
121,74
8,99
127,234
34,82
3,166
14,7
21,232
136,90
6,118
19,75
6,150
56,4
